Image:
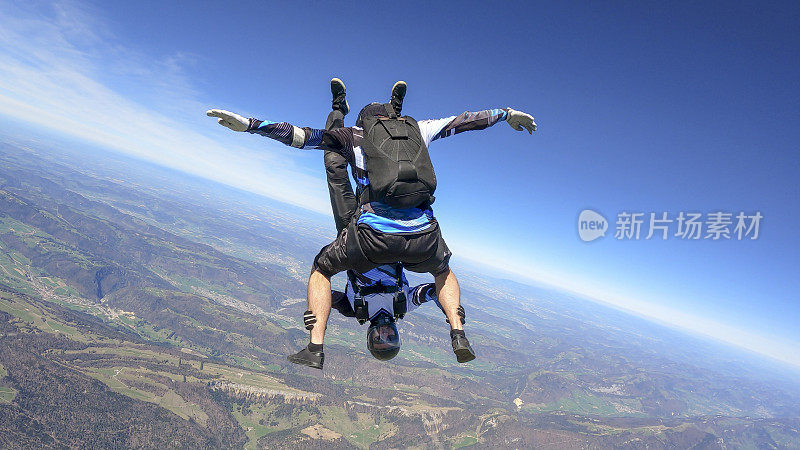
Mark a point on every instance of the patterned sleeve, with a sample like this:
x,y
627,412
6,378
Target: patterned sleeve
x,y
338,140
423,293
466,121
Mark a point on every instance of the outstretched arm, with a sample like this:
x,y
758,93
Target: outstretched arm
x,y
467,121
284,132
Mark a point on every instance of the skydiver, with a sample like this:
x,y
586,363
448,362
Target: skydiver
x,y
395,221
373,295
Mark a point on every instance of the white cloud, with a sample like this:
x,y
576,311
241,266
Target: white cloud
x,y
60,68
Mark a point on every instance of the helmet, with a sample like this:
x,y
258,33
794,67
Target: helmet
x,y
373,109
383,340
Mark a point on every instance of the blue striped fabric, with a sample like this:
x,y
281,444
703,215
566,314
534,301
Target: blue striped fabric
x,y
315,139
276,131
391,220
499,112
466,121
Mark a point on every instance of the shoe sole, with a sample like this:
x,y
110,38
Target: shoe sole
x,y
339,82
405,86
336,81
464,354
303,362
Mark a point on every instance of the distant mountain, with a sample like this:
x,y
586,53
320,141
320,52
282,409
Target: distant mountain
x,y
143,307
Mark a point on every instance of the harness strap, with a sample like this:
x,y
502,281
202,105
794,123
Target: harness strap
x,y
360,263
377,288
395,126
400,302
360,306
390,112
398,274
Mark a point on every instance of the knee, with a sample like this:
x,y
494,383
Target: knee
x,y
318,269
317,276
443,275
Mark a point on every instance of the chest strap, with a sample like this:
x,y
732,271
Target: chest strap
x,y
361,306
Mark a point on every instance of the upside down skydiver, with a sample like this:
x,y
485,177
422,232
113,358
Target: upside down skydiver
x,y
388,220
381,295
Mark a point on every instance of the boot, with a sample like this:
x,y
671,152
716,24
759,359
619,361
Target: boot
x,y
461,347
308,357
339,94
398,94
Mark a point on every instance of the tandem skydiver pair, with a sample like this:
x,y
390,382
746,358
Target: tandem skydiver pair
x,y
393,220
381,295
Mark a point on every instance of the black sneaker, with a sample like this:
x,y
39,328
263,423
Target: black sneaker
x,y
339,96
308,358
461,347
398,94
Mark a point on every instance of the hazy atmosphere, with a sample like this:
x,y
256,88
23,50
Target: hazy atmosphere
x,y
628,271
662,108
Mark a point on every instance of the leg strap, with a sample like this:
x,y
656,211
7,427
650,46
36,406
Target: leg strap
x,y
400,302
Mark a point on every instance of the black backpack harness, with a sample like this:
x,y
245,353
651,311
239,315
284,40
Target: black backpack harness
x,y
396,161
400,175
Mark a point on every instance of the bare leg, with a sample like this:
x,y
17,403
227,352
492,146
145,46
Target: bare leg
x,y
319,302
450,299
343,204
449,295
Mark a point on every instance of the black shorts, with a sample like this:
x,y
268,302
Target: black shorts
x,y
361,248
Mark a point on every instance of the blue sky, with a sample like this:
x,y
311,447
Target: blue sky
x,y
641,106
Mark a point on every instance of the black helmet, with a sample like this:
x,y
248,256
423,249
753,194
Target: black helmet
x,y
383,340
373,109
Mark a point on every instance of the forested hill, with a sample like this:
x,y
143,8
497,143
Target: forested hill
x,y
144,308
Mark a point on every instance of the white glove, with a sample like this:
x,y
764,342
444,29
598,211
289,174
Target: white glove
x,y
230,120
519,120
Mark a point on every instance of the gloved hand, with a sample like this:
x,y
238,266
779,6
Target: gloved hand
x,y
230,120
519,120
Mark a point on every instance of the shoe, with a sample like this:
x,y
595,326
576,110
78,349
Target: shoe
x,y
308,358
462,349
339,96
398,94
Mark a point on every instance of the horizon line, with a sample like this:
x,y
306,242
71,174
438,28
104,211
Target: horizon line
x,y
610,300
